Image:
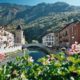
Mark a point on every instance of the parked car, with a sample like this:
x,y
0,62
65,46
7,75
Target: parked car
x,y
49,45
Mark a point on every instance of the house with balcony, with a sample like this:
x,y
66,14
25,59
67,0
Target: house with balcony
x,y
6,38
49,39
64,36
68,34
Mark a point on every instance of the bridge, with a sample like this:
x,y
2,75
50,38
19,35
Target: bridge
x,y
38,45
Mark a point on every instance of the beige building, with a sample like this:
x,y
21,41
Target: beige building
x,y
57,39
63,36
19,38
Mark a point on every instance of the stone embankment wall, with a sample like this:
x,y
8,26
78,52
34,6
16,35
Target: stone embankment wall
x,y
11,49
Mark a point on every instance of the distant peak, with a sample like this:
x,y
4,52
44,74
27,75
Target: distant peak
x,y
61,3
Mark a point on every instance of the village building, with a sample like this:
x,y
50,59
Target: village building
x,y
49,39
74,32
6,38
68,34
64,36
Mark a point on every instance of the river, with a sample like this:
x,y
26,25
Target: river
x,y
34,52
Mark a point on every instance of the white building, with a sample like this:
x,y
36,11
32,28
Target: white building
x,y
6,38
49,39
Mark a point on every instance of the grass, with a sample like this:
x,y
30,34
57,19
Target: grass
x,y
12,52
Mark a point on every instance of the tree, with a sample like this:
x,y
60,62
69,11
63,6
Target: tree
x,y
26,42
35,42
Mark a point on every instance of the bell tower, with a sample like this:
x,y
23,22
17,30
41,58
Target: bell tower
x,y
19,35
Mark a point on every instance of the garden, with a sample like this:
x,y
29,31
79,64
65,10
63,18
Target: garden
x,y
51,67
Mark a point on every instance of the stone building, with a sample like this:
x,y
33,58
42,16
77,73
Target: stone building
x,y
19,38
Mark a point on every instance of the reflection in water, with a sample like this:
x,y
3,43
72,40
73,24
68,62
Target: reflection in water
x,y
35,53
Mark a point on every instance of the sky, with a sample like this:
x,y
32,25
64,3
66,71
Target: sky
x,y
35,2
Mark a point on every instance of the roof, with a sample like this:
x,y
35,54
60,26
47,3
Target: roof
x,y
19,27
50,34
70,24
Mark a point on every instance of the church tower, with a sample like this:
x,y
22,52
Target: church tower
x,y
19,38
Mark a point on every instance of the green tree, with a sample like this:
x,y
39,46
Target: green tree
x,y
35,42
26,42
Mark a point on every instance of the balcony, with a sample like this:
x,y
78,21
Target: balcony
x,y
66,40
66,34
60,41
60,36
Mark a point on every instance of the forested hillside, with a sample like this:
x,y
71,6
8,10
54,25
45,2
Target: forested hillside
x,y
38,20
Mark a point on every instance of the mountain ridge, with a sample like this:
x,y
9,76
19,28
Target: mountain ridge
x,y
41,17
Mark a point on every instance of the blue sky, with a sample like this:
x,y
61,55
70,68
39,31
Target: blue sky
x,y
35,2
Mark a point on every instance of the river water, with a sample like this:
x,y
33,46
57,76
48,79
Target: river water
x,y
35,53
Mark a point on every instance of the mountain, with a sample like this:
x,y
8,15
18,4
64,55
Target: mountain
x,y
37,20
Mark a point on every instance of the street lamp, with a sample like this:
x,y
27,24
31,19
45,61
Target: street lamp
x,y
72,38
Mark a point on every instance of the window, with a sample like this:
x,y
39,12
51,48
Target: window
x,y
49,39
52,39
46,39
17,37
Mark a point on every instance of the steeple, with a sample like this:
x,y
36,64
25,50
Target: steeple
x,y
19,27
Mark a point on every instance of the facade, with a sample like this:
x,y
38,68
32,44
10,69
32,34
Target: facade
x,y
19,38
57,39
6,38
64,36
74,32
49,39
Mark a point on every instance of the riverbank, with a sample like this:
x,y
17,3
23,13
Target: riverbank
x,y
54,51
36,53
10,56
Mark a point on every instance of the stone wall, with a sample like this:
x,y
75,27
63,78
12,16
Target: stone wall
x,y
11,49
